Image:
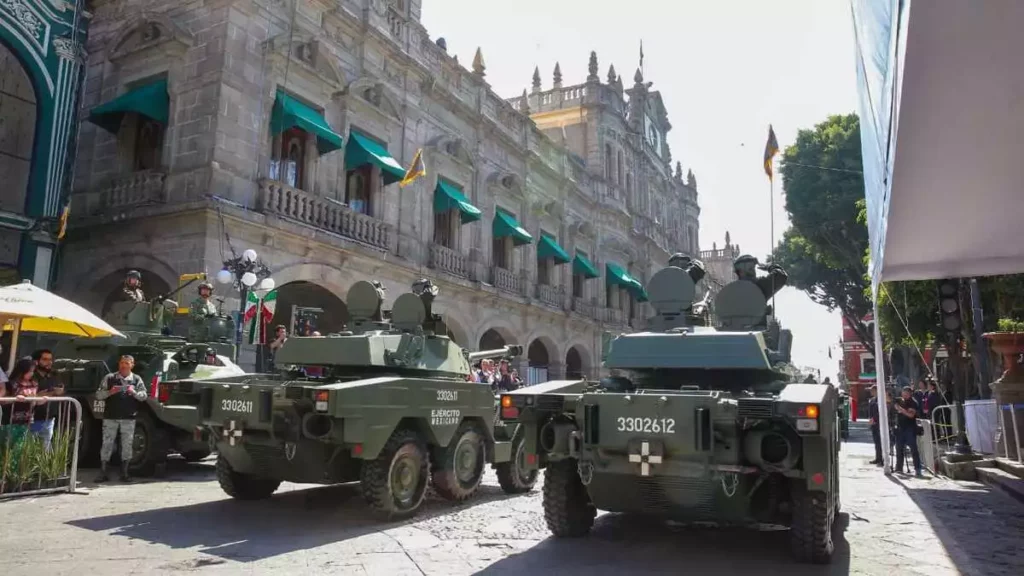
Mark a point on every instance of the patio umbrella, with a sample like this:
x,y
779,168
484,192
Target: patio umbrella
x,y
27,308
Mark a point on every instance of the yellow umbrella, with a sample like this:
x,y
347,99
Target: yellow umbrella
x,y
27,308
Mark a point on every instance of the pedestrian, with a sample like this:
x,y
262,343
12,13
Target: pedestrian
x,y
46,385
503,381
876,434
906,430
280,337
123,391
22,387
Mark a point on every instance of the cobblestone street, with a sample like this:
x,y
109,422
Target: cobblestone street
x,y
183,523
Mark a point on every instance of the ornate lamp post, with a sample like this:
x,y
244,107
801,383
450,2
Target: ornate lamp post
x,y
244,273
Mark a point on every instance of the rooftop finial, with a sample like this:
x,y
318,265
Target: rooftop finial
x,y
525,108
478,63
611,74
536,78
679,171
638,77
728,239
558,75
691,181
592,68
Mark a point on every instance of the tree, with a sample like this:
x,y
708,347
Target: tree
x,y
823,251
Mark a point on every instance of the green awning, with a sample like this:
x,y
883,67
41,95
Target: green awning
x,y
548,247
149,100
615,274
290,113
505,225
362,150
582,265
448,197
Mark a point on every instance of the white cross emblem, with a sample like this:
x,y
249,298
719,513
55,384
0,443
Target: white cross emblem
x,y
232,433
645,459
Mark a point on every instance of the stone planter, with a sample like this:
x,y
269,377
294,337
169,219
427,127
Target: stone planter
x,y
1008,389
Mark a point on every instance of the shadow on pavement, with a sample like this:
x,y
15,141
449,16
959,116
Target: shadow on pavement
x,y
290,521
176,470
621,544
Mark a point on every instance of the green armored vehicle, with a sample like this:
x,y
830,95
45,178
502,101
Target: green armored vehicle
x,y
695,424
168,421
388,403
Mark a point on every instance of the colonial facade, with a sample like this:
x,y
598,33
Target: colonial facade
x,y
40,71
210,128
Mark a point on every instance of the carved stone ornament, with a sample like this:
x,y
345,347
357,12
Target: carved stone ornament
x,y
308,53
377,94
147,32
452,146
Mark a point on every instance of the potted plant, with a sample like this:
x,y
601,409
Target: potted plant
x,y
1008,343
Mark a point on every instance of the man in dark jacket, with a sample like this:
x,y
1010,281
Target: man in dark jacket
x,y
123,391
906,430
876,435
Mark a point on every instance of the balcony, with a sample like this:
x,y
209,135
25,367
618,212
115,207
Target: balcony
x,y
506,281
281,200
553,296
613,316
447,260
129,191
584,308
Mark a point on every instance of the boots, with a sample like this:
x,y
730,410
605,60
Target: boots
x,y
125,476
103,474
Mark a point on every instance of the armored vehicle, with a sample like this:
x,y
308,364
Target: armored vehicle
x,y
391,406
695,424
169,419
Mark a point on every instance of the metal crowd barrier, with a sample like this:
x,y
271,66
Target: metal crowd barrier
x,y
28,464
1012,409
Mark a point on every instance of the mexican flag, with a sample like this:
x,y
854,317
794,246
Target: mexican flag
x,y
258,313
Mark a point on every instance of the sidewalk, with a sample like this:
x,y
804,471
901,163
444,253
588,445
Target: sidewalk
x,y
932,526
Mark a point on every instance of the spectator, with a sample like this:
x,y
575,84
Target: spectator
x,y
876,435
932,399
46,385
123,391
503,381
906,430
22,387
280,337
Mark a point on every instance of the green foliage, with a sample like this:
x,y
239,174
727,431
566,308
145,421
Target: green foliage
x,y
25,464
1008,325
823,250
915,303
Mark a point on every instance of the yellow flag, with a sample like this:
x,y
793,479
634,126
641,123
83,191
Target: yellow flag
x,y
64,221
416,169
770,150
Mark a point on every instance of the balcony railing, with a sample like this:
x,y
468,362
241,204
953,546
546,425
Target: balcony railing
x,y
553,296
584,308
135,189
282,200
613,316
505,280
447,260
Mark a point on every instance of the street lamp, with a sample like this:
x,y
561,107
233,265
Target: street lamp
x,y
244,273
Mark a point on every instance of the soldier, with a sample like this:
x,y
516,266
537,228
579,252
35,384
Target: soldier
x,y
745,268
201,307
695,268
123,391
132,289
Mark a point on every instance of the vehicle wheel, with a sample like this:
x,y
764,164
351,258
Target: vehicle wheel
x,y
810,535
461,467
89,442
195,455
395,483
513,476
243,486
568,510
149,446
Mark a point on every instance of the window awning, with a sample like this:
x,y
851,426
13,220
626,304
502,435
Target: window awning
x,y
448,197
582,265
547,247
505,225
362,150
149,100
290,113
615,274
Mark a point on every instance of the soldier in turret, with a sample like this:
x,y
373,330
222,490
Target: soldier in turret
x,y
694,268
201,307
746,267
132,289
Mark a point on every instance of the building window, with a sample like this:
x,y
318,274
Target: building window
x,y
608,162
358,189
149,143
501,253
611,297
444,228
629,191
867,365
289,159
577,285
544,266
621,169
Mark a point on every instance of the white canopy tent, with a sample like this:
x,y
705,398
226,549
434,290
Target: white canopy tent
x,y
942,135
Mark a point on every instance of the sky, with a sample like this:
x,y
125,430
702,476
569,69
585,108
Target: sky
x,y
726,70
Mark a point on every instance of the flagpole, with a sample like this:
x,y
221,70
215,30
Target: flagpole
x,y
771,219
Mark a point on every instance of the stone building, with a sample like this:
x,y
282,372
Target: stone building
x,y
213,127
40,70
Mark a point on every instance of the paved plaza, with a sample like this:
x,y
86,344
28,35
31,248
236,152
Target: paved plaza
x,y
184,524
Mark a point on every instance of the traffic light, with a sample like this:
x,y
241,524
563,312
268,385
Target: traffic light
x,y
949,309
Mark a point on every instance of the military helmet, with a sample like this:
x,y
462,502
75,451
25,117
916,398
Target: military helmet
x,y
743,259
205,285
679,259
133,274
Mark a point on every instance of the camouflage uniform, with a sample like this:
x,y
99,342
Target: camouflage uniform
x,y
201,308
119,415
130,294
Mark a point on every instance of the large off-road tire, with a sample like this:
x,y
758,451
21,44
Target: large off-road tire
x,y
568,510
395,483
89,441
192,456
513,476
457,473
149,446
243,486
810,534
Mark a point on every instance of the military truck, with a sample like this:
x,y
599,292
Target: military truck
x,y
387,403
168,421
695,424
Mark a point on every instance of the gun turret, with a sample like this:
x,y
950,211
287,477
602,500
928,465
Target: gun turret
x,y
510,351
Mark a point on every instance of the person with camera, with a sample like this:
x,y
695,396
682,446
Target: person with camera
x,y
906,430
123,391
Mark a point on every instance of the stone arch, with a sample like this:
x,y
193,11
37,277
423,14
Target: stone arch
x,y
542,360
107,289
504,329
578,362
19,114
456,330
492,338
303,306
321,273
154,271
